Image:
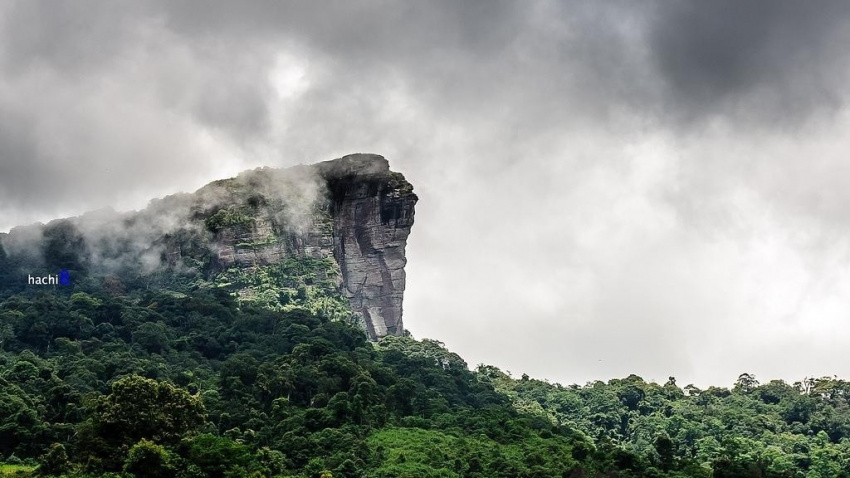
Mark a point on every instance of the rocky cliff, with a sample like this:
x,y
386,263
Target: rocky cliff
x,y
372,210
328,237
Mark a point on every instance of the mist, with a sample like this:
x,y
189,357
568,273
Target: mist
x,y
605,189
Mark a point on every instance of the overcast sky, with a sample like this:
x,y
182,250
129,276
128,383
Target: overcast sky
x,y
605,188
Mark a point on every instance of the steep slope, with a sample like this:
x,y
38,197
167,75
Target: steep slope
x,y
329,237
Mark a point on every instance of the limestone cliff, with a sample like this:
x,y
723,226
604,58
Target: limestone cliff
x,y
309,236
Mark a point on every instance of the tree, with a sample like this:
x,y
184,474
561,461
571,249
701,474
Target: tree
x,y
149,460
7,333
55,461
140,408
153,337
746,383
216,456
666,450
64,246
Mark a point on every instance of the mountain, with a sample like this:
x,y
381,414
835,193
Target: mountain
x,y
349,217
253,329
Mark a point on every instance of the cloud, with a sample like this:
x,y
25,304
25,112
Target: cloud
x,y
771,64
616,187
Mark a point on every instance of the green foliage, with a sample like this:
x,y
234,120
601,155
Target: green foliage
x,y
297,283
55,461
195,382
138,408
16,470
146,459
417,452
218,457
228,217
64,246
769,430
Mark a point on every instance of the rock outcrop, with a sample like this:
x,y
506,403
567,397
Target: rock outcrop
x,y
352,213
372,210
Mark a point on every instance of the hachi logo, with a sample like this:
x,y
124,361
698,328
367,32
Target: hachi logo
x,y
63,278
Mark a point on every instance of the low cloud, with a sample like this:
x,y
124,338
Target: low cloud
x,y
619,188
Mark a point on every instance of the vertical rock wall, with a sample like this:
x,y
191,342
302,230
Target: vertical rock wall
x,y
372,210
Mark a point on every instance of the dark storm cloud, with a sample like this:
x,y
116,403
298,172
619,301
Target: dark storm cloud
x,y
81,78
74,37
107,101
621,181
771,62
18,151
529,68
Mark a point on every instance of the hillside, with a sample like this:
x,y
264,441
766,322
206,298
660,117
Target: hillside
x,y
254,328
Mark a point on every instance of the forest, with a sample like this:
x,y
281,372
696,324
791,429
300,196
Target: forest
x,y
112,377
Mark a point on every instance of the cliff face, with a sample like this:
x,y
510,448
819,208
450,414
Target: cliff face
x,y
372,210
309,236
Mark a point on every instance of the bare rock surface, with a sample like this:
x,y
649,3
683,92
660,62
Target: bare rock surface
x,y
372,209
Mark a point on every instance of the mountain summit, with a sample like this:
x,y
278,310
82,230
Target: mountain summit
x,y
329,237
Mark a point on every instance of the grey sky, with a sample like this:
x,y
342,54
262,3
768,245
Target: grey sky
x,y
653,188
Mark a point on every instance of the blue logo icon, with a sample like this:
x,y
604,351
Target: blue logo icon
x,y
65,278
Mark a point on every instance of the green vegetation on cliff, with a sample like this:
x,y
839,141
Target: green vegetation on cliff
x,y
295,283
